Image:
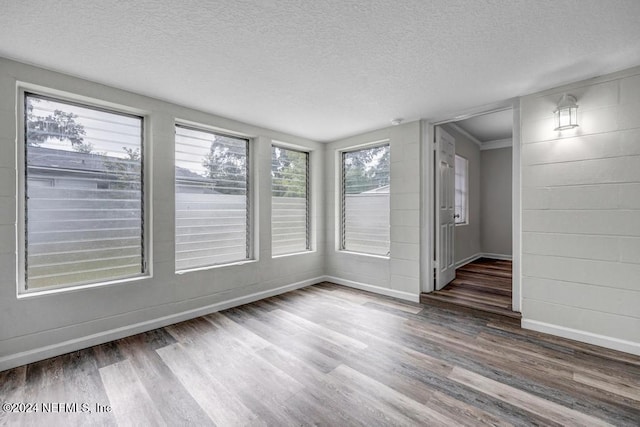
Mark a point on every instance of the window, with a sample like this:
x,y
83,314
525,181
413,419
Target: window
x,y
76,230
289,201
365,200
212,198
462,192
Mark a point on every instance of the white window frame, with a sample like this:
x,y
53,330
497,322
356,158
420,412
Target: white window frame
x,y
341,194
25,89
252,197
284,146
465,193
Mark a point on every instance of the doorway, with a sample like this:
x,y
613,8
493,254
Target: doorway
x,y
473,208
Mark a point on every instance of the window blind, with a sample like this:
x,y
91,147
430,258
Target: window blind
x,y
84,194
289,201
212,198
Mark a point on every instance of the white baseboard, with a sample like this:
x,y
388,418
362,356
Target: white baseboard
x,y
583,336
497,256
479,255
19,359
375,289
468,260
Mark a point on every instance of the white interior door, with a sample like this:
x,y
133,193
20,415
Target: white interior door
x,y
445,208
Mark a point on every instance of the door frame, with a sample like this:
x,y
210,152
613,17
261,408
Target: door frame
x,y
427,199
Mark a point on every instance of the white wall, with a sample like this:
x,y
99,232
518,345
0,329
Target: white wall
x,y
34,327
398,275
495,203
467,243
581,225
581,213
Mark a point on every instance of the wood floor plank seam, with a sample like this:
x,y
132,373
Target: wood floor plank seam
x,y
331,355
534,404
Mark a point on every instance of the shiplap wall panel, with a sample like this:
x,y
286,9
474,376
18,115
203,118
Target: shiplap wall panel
x,y
629,115
607,274
629,249
584,197
598,222
401,271
593,171
583,295
579,148
535,198
604,196
597,322
581,210
602,248
629,195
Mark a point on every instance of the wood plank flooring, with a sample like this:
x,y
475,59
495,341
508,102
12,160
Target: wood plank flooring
x,y
330,355
484,284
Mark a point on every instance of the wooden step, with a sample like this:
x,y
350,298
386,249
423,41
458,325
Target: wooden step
x,y
485,271
482,285
459,302
495,300
483,277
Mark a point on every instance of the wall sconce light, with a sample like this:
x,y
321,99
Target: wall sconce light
x,y
566,115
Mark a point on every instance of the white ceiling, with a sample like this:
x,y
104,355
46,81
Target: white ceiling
x,y
325,69
488,127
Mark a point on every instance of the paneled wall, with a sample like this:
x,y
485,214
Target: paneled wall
x,y
399,274
581,213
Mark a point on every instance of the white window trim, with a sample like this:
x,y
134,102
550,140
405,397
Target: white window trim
x,y
309,222
466,204
339,199
23,89
252,197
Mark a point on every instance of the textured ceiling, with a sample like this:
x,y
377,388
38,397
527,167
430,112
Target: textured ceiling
x,y
489,127
325,69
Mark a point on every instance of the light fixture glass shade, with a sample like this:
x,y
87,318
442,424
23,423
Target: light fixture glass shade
x,y
566,115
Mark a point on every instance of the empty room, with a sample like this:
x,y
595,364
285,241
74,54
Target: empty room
x,y
342,213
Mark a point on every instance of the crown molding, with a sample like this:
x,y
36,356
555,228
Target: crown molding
x,y
498,143
465,133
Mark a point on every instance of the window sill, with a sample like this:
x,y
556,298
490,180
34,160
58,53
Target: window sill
x,y
293,254
58,290
212,267
363,254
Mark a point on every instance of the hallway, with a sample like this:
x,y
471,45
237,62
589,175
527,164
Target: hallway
x,y
484,284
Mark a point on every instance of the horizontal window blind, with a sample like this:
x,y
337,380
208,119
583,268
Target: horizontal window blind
x,y
212,198
365,200
84,194
289,201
